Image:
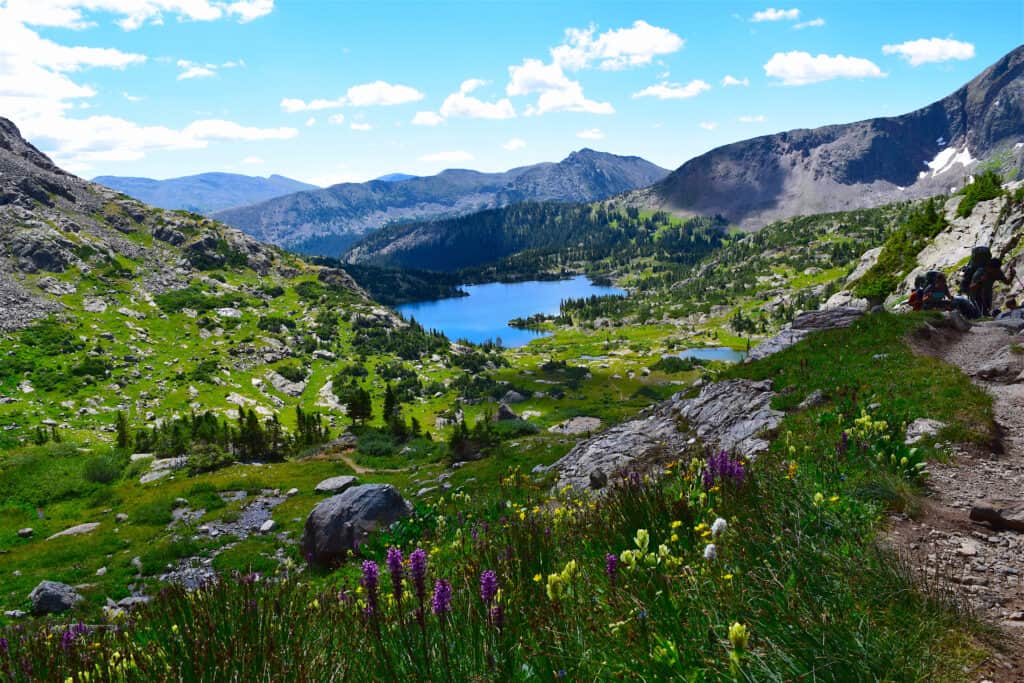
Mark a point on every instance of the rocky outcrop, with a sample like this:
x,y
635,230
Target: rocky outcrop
x,y
735,415
337,525
576,425
1001,514
285,385
803,325
1003,366
335,485
52,597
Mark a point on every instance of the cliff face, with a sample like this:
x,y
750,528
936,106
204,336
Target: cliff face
x,y
856,165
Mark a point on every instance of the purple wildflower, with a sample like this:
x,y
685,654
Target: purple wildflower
x,y
442,600
3,646
488,586
722,468
369,582
418,570
844,444
611,566
497,617
397,571
67,640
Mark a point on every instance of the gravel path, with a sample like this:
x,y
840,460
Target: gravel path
x,y
981,566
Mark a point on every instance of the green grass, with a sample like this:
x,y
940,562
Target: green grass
x,y
798,567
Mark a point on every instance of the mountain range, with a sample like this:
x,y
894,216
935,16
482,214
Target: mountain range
x,y
326,221
868,163
205,192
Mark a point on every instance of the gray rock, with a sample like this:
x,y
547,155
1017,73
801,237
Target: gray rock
x,y
15,613
120,518
1004,366
804,324
268,526
814,399
953,320
576,425
336,485
1001,514
26,532
77,530
922,428
285,385
734,415
292,492
339,523
51,597
513,396
598,479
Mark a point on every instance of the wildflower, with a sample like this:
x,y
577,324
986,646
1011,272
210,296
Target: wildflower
x,y
611,566
710,552
370,580
537,578
441,602
819,498
676,524
833,499
554,587
674,538
738,636
397,571
174,629
642,538
722,468
792,470
418,571
488,586
727,577
718,527
497,616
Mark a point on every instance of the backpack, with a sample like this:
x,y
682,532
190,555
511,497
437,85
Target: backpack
x,y
980,256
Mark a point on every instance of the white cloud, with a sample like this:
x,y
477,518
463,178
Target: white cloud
x,y
557,91
514,144
772,14
674,91
427,118
731,81
336,119
132,14
462,104
381,93
451,156
809,24
193,70
708,125
293,105
378,93
132,98
591,134
360,126
759,118
311,121
253,161
800,68
615,49
930,50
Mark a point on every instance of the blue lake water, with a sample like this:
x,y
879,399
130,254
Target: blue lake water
x,y
485,313
721,353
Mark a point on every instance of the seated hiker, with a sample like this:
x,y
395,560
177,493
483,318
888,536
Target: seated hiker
x,y
937,297
982,283
916,300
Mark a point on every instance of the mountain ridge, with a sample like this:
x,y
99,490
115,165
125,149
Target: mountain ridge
x,y
856,165
347,211
204,192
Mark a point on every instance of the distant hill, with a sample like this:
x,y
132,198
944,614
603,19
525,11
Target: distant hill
x,y
396,177
338,216
206,192
856,165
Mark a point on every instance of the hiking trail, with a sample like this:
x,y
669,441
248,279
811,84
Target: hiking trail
x,y
981,565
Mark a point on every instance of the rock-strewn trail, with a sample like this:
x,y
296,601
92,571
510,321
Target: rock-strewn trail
x,y
979,562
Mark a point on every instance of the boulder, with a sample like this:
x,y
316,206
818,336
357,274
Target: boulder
x,y
1001,514
268,526
25,533
576,425
922,428
337,525
335,485
285,385
77,530
814,399
505,413
1004,365
51,597
513,396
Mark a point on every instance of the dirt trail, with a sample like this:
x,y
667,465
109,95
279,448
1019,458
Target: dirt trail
x,y
979,564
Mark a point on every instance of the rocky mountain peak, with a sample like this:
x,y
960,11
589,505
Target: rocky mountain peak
x,y
21,152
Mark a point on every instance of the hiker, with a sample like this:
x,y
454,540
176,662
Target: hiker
x,y
937,297
983,281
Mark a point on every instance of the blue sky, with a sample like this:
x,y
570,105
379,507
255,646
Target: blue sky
x,y
331,91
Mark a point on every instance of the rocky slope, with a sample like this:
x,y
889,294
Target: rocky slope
x,y
206,192
855,165
326,221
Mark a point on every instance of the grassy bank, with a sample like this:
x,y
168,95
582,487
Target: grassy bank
x,y
645,584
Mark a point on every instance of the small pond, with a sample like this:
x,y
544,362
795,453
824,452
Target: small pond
x,y
719,353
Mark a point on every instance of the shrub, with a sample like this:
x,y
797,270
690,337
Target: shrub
x,y
988,185
208,457
103,469
293,372
673,364
153,513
